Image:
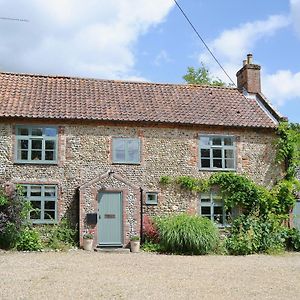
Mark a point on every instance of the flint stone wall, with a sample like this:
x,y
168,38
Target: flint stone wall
x,y
85,153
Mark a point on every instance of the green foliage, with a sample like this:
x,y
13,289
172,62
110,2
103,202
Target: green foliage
x,y
29,240
135,238
58,236
3,199
192,184
288,147
13,217
185,234
238,190
149,246
251,234
292,239
201,76
164,180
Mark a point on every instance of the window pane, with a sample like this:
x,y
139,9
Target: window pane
x,y
49,145
50,131
217,163
22,144
36,155
35,215
205,163
22,131
35,204
217,153
218,210
49,215
50,191
205,153
119,145
23,155
37,131
216,141
229,163
49,155
36,191
228,141
204,141
36,144
229,153
205,210
120,156
49,204
205,198
133,151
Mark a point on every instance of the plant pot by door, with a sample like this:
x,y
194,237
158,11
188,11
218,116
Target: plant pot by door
x,y
135,246
88,244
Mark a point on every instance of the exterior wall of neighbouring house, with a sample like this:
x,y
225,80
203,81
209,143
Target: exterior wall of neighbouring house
x,y
84,162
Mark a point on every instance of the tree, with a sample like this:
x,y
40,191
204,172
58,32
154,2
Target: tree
x,y
201,76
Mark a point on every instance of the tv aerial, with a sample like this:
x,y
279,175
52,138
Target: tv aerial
x,y
13,19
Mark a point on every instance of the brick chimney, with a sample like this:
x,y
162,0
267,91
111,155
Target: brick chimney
x,y
248,76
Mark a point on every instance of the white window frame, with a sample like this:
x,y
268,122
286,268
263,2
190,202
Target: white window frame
x,y
42,199
221,147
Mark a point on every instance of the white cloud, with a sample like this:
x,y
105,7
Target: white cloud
x,y
232,46
93,38
295,13
282,86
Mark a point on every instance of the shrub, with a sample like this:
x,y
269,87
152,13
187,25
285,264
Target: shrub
x,y
58,236
29,240
292,239
149,246
13,216
150,229
250,234
185,234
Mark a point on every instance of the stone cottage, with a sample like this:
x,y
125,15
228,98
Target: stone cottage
x,y
95,150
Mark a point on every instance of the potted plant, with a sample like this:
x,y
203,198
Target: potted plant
x,y
88,239
135,244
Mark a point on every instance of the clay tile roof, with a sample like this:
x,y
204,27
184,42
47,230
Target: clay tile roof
x,y
56,97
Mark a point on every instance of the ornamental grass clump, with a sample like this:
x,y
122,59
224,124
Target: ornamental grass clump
x,y
185,234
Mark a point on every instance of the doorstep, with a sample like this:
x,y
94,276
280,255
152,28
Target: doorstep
x,y
112,250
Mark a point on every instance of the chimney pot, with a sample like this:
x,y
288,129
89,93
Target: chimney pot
x,y
248,77
249,59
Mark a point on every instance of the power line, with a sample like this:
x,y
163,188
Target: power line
x,y
202,40
13,19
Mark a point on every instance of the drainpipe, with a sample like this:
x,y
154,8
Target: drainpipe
x,y
141,228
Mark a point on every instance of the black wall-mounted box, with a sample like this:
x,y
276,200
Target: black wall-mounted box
x,y
91,219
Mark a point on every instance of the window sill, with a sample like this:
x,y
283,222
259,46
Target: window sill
x,y
217,170
126,163
36,163
36,222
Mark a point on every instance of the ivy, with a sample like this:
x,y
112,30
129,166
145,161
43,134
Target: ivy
x,y
288,148
187,183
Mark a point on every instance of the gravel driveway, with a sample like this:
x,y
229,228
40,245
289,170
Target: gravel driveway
x,y
78,274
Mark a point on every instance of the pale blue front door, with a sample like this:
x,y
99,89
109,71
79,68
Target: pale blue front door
x,y
110,219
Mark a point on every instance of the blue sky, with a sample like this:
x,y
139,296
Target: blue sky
x,y
150,40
